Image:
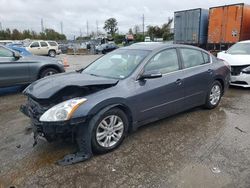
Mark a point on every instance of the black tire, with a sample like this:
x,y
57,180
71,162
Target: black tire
x,y
52,53
97,119
48,72
209,104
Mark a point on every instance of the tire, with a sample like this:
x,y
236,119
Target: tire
x,y
214,95
98,143
52,53
48,72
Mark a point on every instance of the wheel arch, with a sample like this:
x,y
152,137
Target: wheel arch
x,y
122,106
47,67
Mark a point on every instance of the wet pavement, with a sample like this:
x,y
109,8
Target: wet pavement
x,y
198,148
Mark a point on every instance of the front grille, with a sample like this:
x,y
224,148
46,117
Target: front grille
x,y
236,70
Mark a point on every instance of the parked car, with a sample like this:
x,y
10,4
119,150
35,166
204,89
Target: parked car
x,y
105,48
47,48
20,49
122,91
238,57
16,69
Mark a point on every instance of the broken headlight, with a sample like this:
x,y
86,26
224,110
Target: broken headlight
x,y
62,111
246,70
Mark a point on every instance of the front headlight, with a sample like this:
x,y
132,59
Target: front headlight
x,y
246,70
62,111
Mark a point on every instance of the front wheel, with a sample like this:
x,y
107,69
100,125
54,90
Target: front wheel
x,y
48,72
109,130
214,95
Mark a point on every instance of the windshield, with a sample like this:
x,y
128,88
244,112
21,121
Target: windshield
x,y
118,64
240,49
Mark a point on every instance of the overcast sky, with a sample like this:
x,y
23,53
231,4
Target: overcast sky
x,y
27,14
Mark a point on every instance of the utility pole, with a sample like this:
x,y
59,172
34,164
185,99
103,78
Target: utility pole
x,y
143,23
87,28
42,26
1,27
61,27
97,28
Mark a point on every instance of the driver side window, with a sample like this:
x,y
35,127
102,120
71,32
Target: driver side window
x,y
5,52
35,45
164,62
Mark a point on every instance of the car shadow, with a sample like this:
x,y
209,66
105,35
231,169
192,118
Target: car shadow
x,y
11,90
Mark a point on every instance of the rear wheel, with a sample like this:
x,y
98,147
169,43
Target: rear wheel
x,y
52,53
48,72
214,95
109,130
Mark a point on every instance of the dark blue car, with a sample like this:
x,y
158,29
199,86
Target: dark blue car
x,y
122,91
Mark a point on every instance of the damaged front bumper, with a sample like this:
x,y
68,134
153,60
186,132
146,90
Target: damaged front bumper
x,y
53,130
242,80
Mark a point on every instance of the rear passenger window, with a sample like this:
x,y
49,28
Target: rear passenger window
x,y
192,58
43,44
52,43
206,57
165,62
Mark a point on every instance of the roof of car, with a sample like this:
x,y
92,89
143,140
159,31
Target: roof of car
x,y
155,46
245,41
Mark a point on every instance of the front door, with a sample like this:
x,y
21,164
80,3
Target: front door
x,y
164,96
12,71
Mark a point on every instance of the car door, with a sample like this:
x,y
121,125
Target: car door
x,y
35,48
44,48
198,73
12,70
164,96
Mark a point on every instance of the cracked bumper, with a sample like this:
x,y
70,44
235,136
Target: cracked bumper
x,y
242,80
53,130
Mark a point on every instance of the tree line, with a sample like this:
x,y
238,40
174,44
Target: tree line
x,y
15,34
164,31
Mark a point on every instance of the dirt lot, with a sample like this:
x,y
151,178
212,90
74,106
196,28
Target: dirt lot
x,y
198,148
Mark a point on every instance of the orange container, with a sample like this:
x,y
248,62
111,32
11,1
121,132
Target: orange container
x,y
229,24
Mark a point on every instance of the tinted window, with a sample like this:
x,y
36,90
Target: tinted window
x,y
5,52
165,62
191,57
43,44
34,45
52,43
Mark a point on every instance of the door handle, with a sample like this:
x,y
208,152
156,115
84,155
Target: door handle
x,y
178,81
210,71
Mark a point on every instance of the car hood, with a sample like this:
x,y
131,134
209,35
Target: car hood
x,y
235,60
49,86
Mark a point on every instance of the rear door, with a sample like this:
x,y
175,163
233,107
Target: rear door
x,y
44,48
12,71
160,97
198,73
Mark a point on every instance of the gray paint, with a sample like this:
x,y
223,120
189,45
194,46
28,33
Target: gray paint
x,y
190,26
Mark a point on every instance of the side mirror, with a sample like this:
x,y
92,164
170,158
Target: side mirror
x,y
16,55
150,75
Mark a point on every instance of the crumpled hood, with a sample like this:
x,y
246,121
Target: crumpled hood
x,y
235,60
49,86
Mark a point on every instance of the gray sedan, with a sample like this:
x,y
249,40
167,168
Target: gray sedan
x,y
122,91
21,70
